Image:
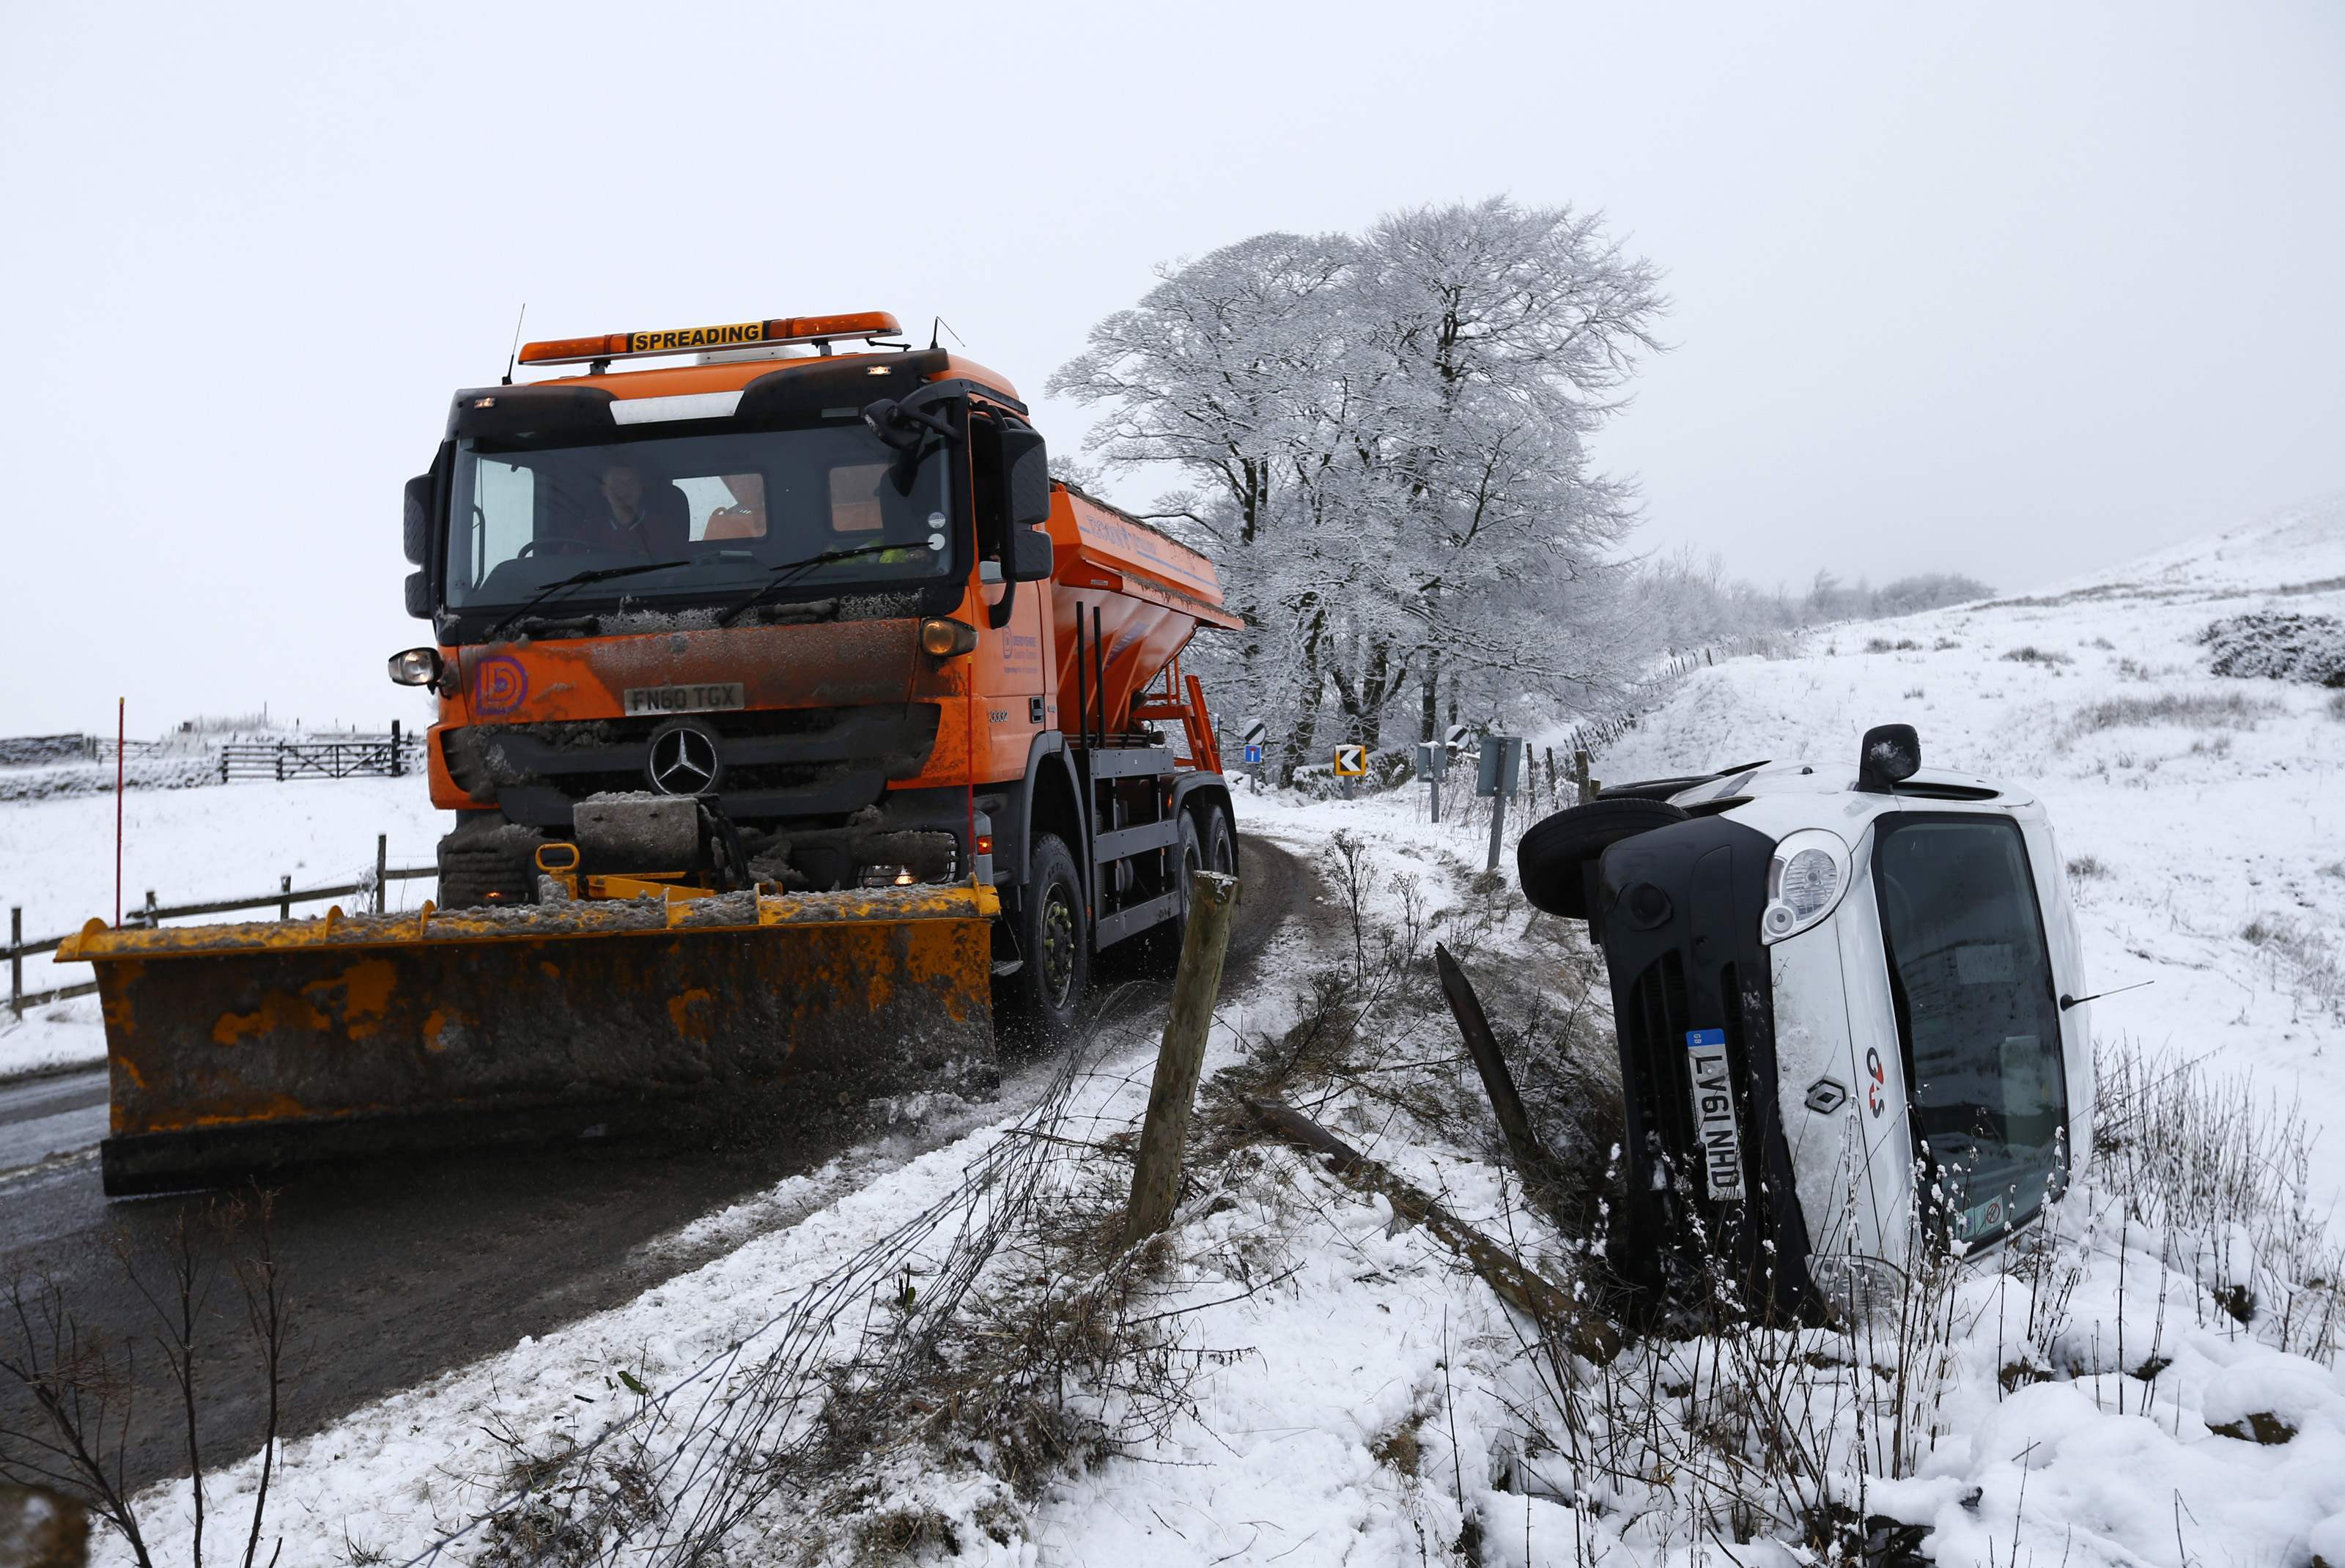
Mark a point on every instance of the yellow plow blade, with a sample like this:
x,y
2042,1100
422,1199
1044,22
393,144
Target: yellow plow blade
x,y
237,1049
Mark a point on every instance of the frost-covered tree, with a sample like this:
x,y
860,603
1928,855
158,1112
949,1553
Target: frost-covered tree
x,y
1385,441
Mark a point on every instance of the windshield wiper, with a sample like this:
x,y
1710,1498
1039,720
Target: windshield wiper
x,y
578,579
788,569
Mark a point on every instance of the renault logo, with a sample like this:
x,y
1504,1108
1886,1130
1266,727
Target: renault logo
x,y
684,760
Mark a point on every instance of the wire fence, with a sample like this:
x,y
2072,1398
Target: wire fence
x,y
151,914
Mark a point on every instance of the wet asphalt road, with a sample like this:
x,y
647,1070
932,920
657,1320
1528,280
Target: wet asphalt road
x,y
400,1270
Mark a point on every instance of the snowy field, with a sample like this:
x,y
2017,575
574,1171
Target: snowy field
x,y
1348,1391
190,845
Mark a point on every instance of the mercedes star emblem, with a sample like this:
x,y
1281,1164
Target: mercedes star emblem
x,y
684,760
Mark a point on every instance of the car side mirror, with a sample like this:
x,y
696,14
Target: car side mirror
x,y
1030,557
415,531
419,596
1025,477
1891,754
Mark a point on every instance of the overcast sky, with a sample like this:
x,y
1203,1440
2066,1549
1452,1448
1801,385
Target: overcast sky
x,y
2017,290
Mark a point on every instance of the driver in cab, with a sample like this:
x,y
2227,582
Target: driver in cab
x,y
635,515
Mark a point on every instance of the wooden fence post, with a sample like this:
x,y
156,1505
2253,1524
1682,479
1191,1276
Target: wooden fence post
x,y
1579,775
381,867
396,767
16,960
148,914
285,910
1156,1180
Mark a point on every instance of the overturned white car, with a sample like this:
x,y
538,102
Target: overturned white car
x,y
1849,1013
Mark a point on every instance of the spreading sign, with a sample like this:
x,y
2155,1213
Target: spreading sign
x,y
1351,761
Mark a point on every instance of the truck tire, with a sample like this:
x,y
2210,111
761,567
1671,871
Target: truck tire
x,y
1552,858
1043,1000
495,864
1157,953
1221,841
1206,844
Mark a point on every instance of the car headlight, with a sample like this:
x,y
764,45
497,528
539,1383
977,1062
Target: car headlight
x,y
416,667
1857,1288
1804,881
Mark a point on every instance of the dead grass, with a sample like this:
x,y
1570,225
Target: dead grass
x,y
2032,655
2187,710
2225,1171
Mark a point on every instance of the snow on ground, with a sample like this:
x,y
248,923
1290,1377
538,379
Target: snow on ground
x,y
1359,1397
190,845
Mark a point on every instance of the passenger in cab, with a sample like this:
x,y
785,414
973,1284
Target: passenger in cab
x,y
746,518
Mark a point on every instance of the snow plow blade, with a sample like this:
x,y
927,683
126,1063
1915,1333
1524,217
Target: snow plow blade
x,y
236,1049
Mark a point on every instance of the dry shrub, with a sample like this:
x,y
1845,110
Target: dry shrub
x,y
2197,711
2278,645
2226,1170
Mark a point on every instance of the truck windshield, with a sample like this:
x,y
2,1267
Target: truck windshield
x,y
1978,1015
726,510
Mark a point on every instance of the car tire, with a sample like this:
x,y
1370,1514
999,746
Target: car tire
x,y
1043,1001
1551,861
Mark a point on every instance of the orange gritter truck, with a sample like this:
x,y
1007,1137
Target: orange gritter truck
x,y
798,729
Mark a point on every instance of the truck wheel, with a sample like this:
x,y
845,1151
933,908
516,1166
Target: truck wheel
x,y
1159,951
1221,841
1045,997
495,864
1551,860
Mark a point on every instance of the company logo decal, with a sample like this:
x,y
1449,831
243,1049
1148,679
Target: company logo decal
x,y
498,685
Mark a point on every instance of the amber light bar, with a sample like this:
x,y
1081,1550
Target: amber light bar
x,y
730,335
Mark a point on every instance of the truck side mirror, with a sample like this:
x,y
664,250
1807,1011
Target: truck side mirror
x,y
1030,555
419,596
415,532
1026,476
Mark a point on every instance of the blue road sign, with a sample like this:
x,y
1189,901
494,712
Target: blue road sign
x,y
1254,756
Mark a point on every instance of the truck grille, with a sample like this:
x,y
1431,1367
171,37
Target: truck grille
x,y
776,762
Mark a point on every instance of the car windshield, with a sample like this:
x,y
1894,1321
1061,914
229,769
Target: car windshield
x,y
1979,1014
726,510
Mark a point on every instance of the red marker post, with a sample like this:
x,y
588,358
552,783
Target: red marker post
x,y
121,706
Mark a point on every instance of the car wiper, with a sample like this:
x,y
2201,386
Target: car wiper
x,y
578,579
788,569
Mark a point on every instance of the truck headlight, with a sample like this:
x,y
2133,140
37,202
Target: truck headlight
x,y
416,667
1804,881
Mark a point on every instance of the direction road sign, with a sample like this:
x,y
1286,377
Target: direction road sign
x,y
1351,761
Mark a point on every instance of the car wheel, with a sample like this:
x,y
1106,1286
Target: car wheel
x,y
1552,859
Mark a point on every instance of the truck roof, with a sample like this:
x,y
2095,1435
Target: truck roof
x,y
731,374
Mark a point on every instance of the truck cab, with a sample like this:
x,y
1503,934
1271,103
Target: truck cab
x,y
818,585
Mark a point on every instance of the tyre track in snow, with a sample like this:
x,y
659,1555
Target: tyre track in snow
x,y
397,1270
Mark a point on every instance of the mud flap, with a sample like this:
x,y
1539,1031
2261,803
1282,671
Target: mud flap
x,y
237,1048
